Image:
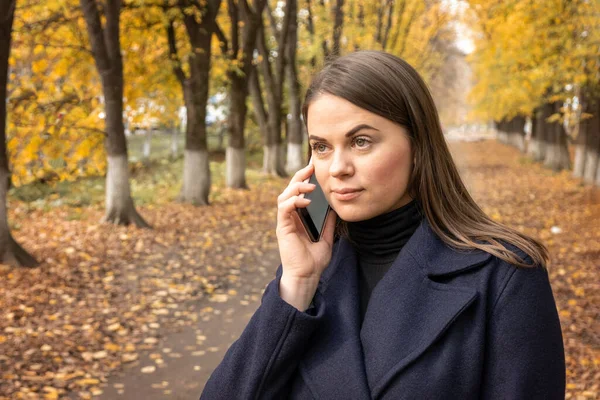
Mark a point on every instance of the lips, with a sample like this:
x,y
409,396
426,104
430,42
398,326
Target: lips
x,y
346,190
347,194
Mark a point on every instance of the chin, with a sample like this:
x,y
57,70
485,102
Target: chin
x,y
353,213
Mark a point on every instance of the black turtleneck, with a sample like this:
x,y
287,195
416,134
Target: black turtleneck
x,y
378,241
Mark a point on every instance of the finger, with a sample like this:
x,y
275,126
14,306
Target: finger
x,y
303,174
287,207
300,226
295,189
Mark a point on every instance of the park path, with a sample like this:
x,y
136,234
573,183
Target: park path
x,y
192,353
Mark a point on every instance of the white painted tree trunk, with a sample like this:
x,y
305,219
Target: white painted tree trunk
x,y
196,177
266,158
147,144
519,141
551,158
579,162
502,137
294,158
235,168
534,149
556,157
174,143
119,204
591,166
273,160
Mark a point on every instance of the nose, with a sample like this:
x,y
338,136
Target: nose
x,y
341,165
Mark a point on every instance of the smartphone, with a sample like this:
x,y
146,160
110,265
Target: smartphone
x,y
313,216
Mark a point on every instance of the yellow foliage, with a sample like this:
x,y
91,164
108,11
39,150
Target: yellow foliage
x,y
54,104
525,53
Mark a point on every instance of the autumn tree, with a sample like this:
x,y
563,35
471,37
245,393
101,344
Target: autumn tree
x,y
587,147
409,29
512,131
531,73
331,12
199,20
272,70
295,132
240,52
106,47
55,126
10,251
584,64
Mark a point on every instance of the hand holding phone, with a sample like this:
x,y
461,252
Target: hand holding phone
x,y
303,258
314,215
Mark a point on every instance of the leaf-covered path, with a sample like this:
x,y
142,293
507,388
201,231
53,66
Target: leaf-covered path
x,y
188,356
106,297
125,313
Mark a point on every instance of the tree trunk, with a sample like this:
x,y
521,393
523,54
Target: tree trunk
x,y
579,161
274,79
338,25
147,144
174,146
196,177
310,27
590,130
221,136
196,168
557,152
106,48
500,133
235,158
597,181
295,135
516,134
238,89
195,86
11,253
119,204
537,145
258,104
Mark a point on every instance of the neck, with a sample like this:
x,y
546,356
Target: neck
x,y
383,236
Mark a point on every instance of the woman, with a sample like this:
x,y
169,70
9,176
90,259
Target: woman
x,y
414,293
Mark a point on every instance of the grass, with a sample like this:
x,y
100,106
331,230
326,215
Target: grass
x,y
153,181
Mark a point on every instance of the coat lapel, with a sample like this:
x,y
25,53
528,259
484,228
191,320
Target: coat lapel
x,y
408,311
334,367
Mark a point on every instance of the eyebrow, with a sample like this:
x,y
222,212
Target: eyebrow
x,y
349,133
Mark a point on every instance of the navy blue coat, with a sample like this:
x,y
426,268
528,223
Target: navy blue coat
x,y
441,324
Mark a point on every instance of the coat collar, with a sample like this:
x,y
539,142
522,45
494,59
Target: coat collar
x,y
407,312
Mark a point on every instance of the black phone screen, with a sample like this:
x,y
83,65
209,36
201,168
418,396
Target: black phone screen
x,y
314,215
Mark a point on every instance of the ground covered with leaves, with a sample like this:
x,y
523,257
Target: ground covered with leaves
x,y
105,294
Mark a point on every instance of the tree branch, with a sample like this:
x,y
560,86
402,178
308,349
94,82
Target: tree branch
x,y
176,62
222,38
96,34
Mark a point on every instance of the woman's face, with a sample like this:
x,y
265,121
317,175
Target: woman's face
x,y
355,149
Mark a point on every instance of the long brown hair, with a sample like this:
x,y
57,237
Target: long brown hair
x,y
388,86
